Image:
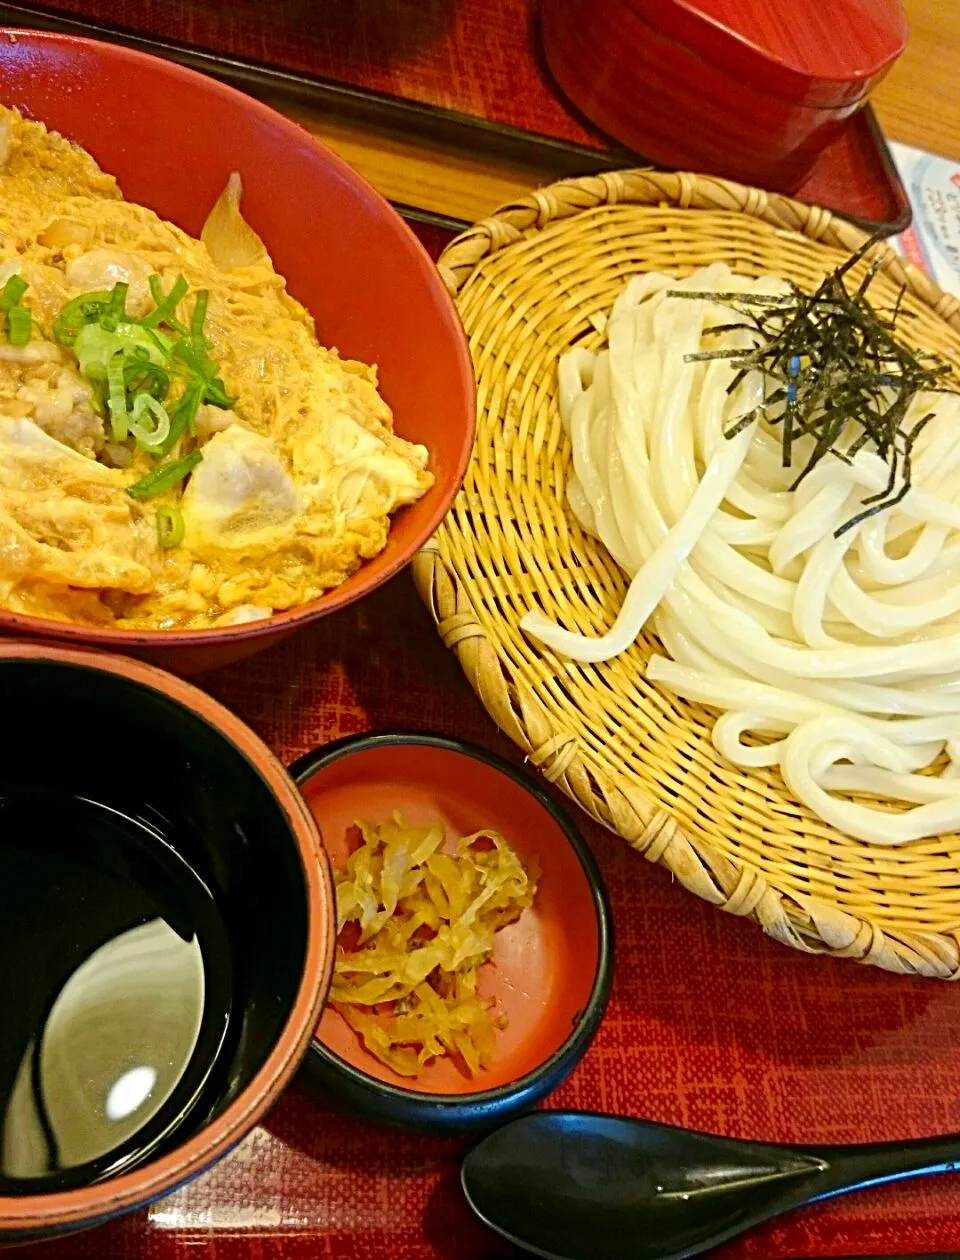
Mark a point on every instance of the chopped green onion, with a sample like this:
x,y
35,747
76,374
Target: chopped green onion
x,y
19,325
14,318
160,341
195,359
183,416
143,377
12,292
169,526
115,308
149,422
216,393
166,307
193,355
117,397
164,477
190,401
95,346
199,314
77,314
101,334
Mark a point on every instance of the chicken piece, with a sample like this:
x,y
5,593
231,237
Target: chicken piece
x,y
100,269
211,420
242,614
62,405
63,234
65,520
32,352
239,489
118,454
45,297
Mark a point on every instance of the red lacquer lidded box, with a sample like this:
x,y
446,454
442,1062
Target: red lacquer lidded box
x,y
748,89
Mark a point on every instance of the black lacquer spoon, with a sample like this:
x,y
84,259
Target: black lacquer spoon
x,y
579,1186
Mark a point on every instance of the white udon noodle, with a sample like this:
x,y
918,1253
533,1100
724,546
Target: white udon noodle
x,y
842,655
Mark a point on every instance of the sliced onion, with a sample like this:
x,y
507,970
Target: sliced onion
x,y
231,241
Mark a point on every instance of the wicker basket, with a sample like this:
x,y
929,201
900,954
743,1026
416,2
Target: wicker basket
x,y
527,282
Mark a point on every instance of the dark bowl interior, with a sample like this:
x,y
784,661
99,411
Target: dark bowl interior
x,y
199,808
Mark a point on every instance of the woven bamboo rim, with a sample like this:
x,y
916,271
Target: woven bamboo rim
x,y
526,282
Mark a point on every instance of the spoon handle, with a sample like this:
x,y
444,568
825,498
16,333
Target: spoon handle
x,y
857,1167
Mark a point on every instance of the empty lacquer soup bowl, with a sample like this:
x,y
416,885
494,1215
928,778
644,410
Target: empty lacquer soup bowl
x,y
166,935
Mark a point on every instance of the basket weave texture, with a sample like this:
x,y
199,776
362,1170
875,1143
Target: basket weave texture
x,y
527,282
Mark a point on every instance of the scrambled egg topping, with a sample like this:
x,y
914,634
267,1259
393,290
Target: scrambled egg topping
x,y
298,478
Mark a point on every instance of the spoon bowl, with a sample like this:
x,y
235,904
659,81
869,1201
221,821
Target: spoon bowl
x,y
582,1186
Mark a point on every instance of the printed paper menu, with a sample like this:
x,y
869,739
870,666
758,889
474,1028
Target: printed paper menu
x,y
932,242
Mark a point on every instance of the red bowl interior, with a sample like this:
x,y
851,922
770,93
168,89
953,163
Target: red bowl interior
x,y
172,138
544,966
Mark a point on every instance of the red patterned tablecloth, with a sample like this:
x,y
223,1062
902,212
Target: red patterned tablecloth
x,y
710,1025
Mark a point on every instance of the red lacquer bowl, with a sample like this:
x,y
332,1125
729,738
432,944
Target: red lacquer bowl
x,y
749,89
172,137
550,972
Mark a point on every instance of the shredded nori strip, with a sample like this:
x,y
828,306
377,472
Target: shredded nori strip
x,y
829,358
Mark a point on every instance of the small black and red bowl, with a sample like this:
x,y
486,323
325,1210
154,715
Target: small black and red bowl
x,y
551,970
